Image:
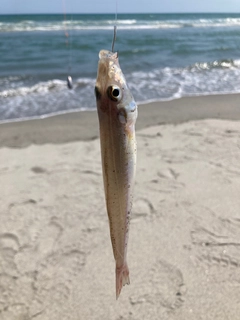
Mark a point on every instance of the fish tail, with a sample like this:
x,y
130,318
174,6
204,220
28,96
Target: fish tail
x,y
122,278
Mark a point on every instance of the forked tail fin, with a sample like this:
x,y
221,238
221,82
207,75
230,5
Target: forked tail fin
x,y
122,278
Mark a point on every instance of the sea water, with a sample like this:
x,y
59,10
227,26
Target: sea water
x,y
163,57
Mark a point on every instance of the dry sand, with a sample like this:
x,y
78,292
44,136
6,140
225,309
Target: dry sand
x,y
56,259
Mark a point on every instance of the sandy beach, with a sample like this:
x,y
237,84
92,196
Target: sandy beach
x,y
56,259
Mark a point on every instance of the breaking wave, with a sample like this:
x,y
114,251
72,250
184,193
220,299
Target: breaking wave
x,y
202,78
125,24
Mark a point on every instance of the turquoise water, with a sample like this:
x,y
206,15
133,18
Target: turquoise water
x,y
163,56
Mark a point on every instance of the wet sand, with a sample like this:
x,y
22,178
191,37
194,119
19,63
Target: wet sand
x,y
79,126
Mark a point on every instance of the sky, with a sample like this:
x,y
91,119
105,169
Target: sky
x,y
123,6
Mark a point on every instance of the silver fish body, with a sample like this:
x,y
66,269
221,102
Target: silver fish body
x,y
117,112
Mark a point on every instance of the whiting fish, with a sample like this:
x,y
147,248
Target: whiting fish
x,y
117,113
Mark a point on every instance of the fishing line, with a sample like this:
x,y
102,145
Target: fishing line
x,y
69,47
115,27
114,36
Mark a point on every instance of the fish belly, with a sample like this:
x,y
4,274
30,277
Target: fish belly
x,y
118,150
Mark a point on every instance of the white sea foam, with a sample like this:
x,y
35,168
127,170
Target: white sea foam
x,y
52,96
29,25
162,83
126,21
45,87
199,79
42,87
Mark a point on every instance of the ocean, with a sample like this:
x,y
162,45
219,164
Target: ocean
x,y
163,57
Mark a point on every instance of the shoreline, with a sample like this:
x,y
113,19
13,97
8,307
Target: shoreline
x,y
83,125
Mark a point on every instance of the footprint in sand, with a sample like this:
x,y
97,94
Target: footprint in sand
x,y
166,287
167,284
9,246
216,240
142,207
18,311
14,291
41,245
55,278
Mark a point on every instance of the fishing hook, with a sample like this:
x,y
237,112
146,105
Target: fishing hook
x,y
69,82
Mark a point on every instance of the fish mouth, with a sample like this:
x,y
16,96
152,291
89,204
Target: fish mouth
x,y
106,54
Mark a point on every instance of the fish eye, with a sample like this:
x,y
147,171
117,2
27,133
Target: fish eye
x,y
114,93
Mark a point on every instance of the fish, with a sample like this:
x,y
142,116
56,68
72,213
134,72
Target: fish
x,y
117,114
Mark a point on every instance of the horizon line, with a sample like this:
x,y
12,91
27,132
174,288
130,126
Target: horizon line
x,y
100,13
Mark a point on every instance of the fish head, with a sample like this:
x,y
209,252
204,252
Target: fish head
x,y
112,93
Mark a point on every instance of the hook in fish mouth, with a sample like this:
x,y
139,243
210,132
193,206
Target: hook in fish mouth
x,y
106,54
